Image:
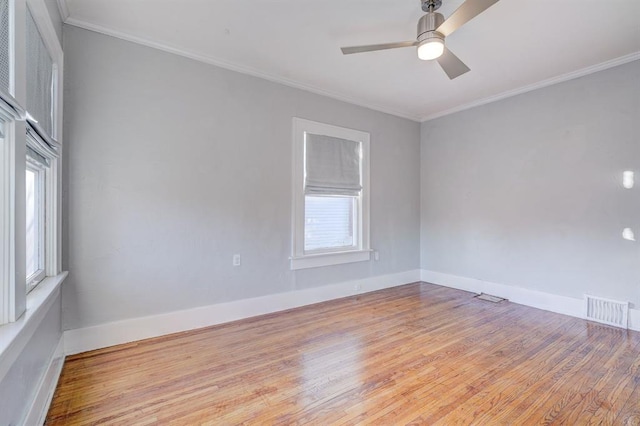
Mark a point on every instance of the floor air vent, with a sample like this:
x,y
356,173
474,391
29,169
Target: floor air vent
x,y
489,298
606,311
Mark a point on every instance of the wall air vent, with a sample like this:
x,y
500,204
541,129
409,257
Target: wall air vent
x,y
606,311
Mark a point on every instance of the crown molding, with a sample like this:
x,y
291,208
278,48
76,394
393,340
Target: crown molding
x,y
236,67
539,85
64,10
354,101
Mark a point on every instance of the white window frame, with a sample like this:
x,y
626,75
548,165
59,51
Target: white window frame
x,y
317,258
7,222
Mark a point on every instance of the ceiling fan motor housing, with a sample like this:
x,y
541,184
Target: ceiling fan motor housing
x,y
427,26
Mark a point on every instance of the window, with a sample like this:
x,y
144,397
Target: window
x,y
35,217
40,207
331,195
329,222
42,154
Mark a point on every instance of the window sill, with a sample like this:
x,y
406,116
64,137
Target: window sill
x,y
14,336
328,259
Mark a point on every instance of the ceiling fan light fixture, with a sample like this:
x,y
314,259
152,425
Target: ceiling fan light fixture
x,y
431,32
431,48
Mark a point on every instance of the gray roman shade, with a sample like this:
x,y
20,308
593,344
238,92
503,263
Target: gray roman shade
x,y
332,165
39,71
8,105
41,148
5,66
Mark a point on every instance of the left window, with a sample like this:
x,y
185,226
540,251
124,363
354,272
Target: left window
x,y
31,72
41,154
35,202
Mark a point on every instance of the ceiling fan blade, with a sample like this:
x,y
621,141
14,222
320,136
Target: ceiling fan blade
x,y
373,47
469,10
451,65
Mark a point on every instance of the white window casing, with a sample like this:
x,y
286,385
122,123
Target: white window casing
x,y
6,222
331,172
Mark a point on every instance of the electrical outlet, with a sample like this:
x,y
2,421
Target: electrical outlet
x,y
376,255
236,260
358,287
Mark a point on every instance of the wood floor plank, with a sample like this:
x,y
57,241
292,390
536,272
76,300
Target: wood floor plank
x,y
415,354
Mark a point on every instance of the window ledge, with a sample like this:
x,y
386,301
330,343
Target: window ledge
x,y
14,336
328,259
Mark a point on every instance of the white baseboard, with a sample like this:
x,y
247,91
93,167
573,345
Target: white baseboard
x,y
523,296
40,405
114,333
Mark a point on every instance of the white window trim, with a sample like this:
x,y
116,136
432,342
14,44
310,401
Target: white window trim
x,y
7,222
300,259
53,224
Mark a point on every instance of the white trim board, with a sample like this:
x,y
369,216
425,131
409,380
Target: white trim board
x,y
523,296
47,386
125,331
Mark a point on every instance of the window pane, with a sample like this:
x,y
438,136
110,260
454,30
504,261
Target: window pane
x,y
329,222
32,224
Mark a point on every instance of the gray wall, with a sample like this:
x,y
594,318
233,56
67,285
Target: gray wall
x,y
19,385
175,165
527,191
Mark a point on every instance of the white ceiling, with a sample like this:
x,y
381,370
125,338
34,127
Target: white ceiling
x,y
512,47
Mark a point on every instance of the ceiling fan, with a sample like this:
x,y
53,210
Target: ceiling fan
x,y
432,30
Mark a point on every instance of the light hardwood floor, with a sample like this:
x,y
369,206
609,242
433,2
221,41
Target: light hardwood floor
x,y
416,354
